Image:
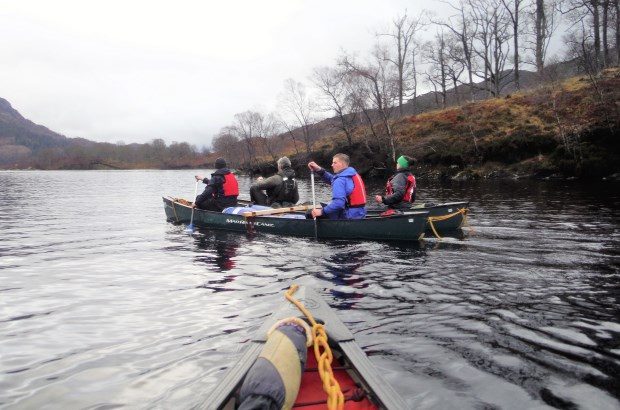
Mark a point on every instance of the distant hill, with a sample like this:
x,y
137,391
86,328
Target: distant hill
x,y
24,144
20,137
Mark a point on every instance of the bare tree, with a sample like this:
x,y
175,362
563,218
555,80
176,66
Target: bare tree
x,y
605,6
380,86
338,97
610,17
362,104
544,17
586,13
267,127
455,66
227,144
402,36
415,51
462,27
436,55
247,129
300,108
289,129
514,8
492,39
617,15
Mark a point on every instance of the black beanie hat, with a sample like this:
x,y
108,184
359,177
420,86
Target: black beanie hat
x,y
220,163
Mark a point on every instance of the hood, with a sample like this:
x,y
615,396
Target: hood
x,y
288,172
347,172
221,171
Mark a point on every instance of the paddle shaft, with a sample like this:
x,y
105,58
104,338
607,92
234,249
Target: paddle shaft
x,y
191,219
316,232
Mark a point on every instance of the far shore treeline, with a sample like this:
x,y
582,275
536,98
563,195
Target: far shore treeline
x,y
560,130
487,115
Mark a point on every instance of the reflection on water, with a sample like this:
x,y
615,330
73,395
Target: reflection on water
x,y
217,250
105,304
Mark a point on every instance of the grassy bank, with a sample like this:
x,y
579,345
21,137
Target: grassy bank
x,y
567,129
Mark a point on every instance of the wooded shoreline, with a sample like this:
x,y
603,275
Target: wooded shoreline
x,y
559,130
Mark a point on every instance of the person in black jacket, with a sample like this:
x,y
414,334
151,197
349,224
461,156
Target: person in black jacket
x,y
280,189
221,190
400,189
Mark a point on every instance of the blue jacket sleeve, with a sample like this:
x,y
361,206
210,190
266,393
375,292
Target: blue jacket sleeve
x,y
339,196
326,176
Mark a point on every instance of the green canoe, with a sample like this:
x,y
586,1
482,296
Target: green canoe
x,y
406,227
442,218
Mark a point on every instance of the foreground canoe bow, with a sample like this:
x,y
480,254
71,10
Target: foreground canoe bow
x,y
407,227
351,368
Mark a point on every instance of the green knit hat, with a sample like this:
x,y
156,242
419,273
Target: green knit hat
x,y
402,161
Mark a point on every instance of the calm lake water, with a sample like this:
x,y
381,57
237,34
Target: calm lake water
x,y
104,304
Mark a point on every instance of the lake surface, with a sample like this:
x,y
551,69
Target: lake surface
x,y
104,304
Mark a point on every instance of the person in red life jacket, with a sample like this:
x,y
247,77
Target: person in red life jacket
x,y
221,190
348,191
401,187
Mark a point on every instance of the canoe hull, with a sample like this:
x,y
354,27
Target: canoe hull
x,y
455,214
409,227
344,345
446,217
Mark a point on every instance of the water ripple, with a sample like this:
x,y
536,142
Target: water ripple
x,y
106,305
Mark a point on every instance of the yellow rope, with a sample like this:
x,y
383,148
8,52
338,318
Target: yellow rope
x,y
335,398
431,219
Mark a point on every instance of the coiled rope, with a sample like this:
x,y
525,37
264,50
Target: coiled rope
x,y
432,219
323,354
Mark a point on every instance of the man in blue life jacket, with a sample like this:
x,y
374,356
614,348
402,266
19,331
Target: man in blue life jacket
x,y
400,189
348,191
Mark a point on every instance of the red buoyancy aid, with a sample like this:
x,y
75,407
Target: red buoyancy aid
x,y
231,186
357,198
409,188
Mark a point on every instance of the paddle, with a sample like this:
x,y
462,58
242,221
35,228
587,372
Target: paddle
x,y
275,211
190,227
316,234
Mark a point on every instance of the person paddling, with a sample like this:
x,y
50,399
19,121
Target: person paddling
x,y
221,190
400,189
348,191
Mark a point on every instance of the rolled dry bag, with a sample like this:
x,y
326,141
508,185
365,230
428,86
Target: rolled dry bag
x,y
273,380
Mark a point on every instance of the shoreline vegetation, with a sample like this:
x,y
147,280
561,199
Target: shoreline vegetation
x,y
556,131
485,116
566,129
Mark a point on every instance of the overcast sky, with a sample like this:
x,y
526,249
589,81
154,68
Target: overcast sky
x,y
136,70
